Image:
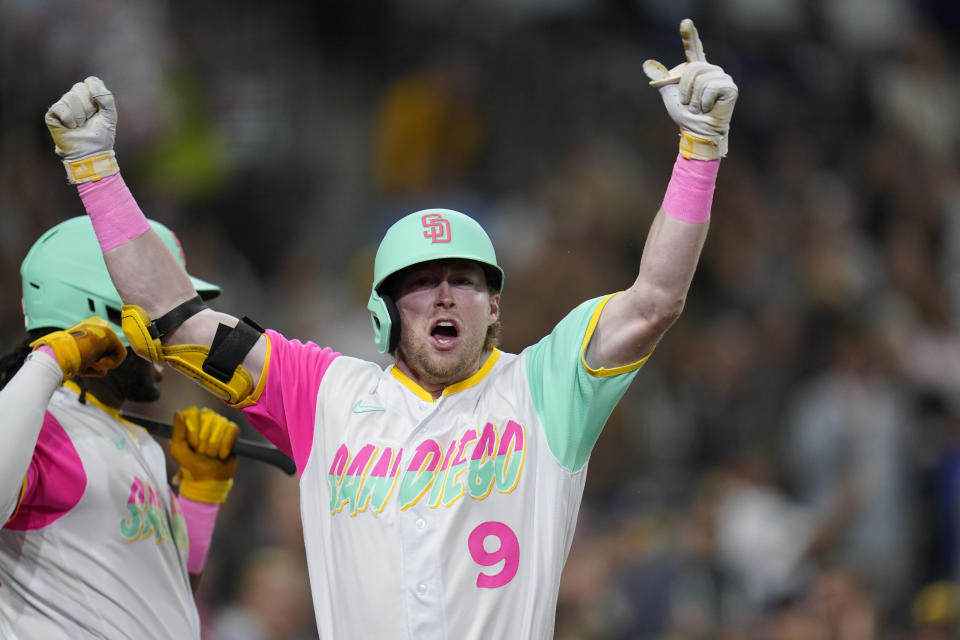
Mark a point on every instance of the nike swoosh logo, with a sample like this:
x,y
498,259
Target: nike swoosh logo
x,y
118,443
365,408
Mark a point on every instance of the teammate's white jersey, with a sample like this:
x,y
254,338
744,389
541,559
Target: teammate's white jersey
x,y
447,519
98,546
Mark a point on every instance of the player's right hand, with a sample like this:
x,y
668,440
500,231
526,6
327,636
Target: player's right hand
x,y
83,125
88,348
699,96
202,443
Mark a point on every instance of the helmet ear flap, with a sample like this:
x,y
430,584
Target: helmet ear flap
x,y
394,314
386,322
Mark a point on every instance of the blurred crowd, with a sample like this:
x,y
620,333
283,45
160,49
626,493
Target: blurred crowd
x,y
787,464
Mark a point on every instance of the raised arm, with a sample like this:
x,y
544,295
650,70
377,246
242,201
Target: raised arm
x,y
89,348
700,98
149,278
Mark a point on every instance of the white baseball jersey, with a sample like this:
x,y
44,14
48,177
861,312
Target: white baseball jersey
x,y
439,519
97,547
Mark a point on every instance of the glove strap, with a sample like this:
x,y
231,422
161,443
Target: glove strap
x,y
92,168
696,148
208,491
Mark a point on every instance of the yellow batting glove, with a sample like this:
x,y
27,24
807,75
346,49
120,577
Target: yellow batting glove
x,y
88,348
202,443
699,97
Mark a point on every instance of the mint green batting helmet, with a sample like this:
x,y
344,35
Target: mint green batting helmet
x,y
431,234
65,279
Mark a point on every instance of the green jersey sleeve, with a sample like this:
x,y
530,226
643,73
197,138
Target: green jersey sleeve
x,y
572,400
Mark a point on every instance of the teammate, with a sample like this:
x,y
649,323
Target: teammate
x,y
439,495
94,543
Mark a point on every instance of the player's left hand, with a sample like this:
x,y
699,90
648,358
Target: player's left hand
x,y
83,125
699,96
202,442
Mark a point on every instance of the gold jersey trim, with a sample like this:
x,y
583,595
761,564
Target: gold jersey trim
x,y
602,372
457,387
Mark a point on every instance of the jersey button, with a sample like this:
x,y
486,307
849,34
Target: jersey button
x,y
422,589
421,524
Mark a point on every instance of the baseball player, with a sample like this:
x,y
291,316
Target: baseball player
x,y
94,543
438,495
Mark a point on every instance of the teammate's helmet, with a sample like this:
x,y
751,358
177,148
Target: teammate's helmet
x,y
65,279
431,234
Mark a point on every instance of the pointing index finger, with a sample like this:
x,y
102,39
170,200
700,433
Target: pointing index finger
x,y
692,46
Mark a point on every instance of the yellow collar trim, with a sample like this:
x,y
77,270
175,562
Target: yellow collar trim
x,y
92,399
423,394
110,411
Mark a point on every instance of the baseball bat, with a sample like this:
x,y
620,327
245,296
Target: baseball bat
x,y
247,448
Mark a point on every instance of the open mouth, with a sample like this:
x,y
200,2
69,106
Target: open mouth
x,y
444,332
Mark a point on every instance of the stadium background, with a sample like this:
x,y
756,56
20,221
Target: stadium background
x,y
786,465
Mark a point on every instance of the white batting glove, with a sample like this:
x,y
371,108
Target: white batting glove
x,y
83,124
699,97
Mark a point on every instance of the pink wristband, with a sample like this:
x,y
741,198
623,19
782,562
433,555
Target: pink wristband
x,y
689,195
47,349
201,517
116,217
